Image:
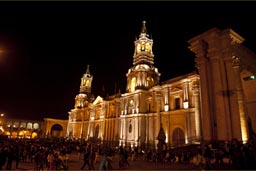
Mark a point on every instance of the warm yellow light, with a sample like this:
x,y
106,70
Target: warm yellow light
x,y
166,139
34,135
133,84
1,129
166,108
185,104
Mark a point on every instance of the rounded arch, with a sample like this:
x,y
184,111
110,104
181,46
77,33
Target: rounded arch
x,y
150,81
133,84
56,130
57,127
178,137
36,126
29,125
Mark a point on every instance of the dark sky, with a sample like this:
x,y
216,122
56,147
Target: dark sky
x,y
46,46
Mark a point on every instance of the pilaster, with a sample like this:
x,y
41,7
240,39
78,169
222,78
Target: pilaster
x,y
240,98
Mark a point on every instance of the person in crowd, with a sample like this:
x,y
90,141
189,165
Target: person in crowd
x,y
10,158
86,159
92,157
208,156
3,157
51,160
103,163
123,162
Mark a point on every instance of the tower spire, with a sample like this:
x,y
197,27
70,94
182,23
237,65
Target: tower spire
x,y
144,29
88,70
143,53
143,74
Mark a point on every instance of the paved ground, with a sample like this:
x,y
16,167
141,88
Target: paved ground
x,y
75,164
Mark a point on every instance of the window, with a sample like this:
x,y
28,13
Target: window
x,y
84,82
150,81
133,84
130,128
143,46
148,47
87,84
177,103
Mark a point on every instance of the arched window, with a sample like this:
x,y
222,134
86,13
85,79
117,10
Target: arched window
x,y
131,106
143,46
87,84
150,81
36,126
29,125
84,82
148,47
133,84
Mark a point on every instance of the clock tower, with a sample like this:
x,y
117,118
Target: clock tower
x,y
143,74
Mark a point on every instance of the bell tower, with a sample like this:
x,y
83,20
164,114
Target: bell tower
x,y
86,82
143,53
84,95
143,74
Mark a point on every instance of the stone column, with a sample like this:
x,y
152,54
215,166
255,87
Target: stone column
x,y
196,93
147,129
188,127
218,94
125,129
240,98
117,112
82,124
199,47
159,119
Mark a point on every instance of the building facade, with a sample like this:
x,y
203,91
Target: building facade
x,y
20,128
228,95
214,103
30,129
135,117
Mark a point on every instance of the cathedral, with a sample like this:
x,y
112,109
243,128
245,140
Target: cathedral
x,y
213,103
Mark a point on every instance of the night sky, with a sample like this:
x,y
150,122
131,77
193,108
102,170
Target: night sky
x,y
46,46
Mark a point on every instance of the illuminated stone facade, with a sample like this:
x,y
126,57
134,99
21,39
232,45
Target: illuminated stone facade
x,y
55,127
134,118
214,104
20,128
228,87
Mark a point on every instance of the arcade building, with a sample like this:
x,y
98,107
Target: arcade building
x,y
214,103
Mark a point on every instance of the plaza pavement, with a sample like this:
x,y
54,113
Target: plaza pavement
x,y
75,163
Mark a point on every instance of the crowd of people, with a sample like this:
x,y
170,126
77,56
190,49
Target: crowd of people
x,y
42,153
53,154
